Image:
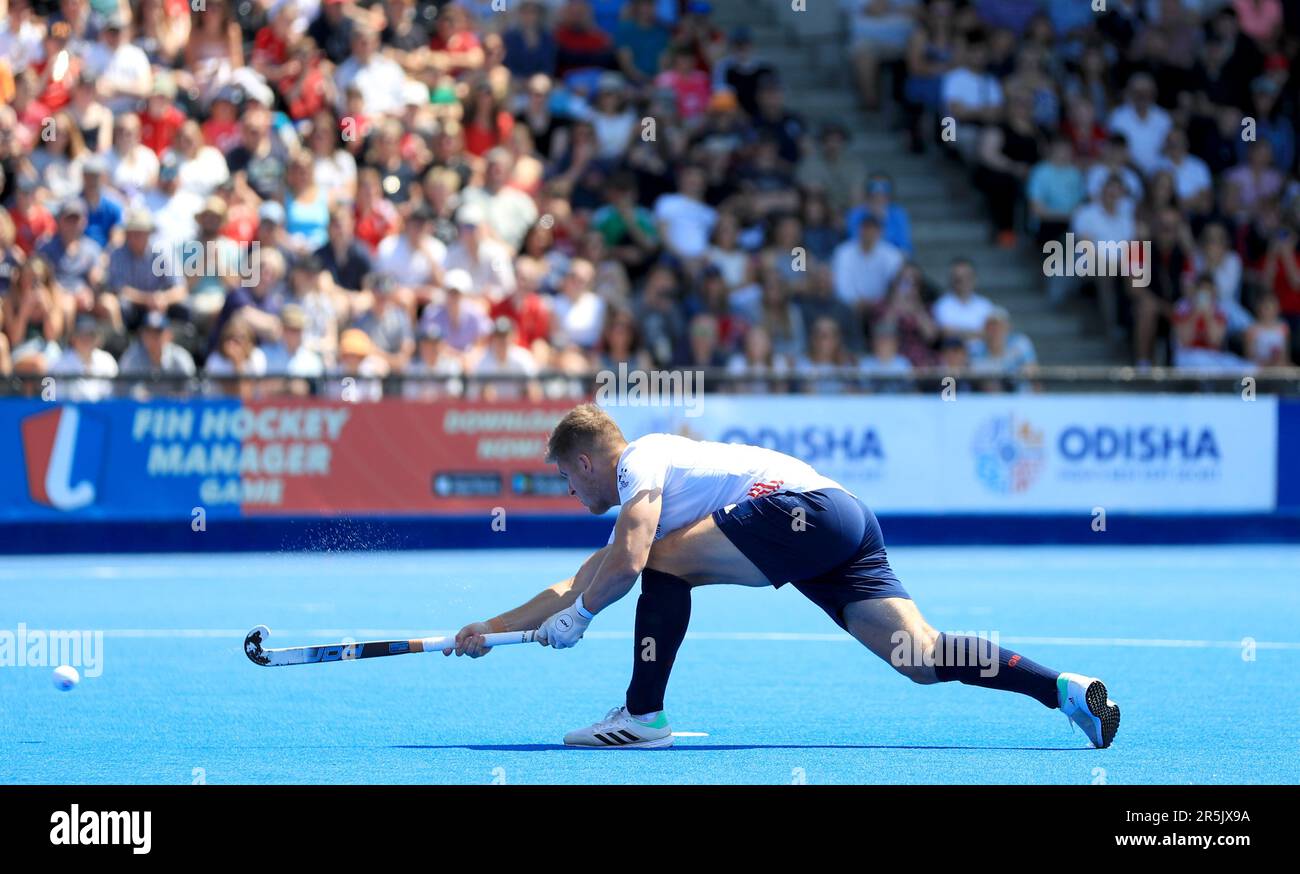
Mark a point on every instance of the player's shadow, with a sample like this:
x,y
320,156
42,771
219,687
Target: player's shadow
x,y
687,747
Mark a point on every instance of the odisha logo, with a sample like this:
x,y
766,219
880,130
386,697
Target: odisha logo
x,y
1009,454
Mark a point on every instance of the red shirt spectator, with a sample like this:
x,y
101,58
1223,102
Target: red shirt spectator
x,y
158,131
31,226
531,316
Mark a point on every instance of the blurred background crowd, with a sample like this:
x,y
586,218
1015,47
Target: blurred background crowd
x,y
321,189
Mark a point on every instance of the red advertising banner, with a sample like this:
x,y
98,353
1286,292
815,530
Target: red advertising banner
x,y
307,457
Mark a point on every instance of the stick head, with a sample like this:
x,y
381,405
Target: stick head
x,y
253,645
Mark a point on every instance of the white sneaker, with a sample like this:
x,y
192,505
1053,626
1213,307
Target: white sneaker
x,y
619,730
1084,700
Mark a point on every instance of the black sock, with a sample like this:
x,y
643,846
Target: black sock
x,y
662,613
970,660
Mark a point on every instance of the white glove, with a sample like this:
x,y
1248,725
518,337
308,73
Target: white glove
x,y
566,627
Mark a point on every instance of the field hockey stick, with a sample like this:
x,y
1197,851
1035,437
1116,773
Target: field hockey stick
x,y
346,652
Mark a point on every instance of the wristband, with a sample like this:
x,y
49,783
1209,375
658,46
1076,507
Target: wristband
x,y
582,609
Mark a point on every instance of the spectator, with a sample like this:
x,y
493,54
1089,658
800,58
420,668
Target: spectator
x,y
33,318
1192,181
896,226
85,358
508,212
1115,162
388,324
1107,223
641,41
378,77
961,312
759,360
1008,151
1217,259
685,219
879,31
826,357
579,311
1281,275
905,310
999,352
1145,125
461,320
435,371
742,71
885,359
1201,331
689,84
132,166
832,171
77,261
580,43
620,343
121,71
1268,339
1054,191
1256,180
161,120
530,47
236,362
504,357
153,353
360,372
414,258
141,282
528,309
103,209
970,94
864,267
343,255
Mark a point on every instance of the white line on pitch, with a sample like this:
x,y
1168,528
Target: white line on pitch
x,y
803,637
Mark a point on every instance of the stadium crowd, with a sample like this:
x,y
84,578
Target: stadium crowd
x,y
329,188
1163,122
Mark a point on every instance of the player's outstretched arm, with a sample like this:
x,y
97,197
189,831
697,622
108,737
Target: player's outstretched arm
x,y
634,534
530,614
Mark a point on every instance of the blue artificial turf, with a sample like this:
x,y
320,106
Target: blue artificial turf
x,y
178,702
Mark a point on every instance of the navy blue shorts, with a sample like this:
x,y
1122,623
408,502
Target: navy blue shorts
x,y
834,556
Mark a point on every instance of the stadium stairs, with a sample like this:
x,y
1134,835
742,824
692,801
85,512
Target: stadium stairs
x,y
809,51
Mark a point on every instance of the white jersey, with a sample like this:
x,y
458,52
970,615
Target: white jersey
x,y
696,477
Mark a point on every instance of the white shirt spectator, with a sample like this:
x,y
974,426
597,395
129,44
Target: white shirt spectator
x,y
865,276
509,212
972,90
1191,175
1099,173
101,365
1146,136
135,173
23,47
1092,222
120,68
203,173
578,321
687,224
219,365
493,273
968,316
519,362
380,80
303,363
408,266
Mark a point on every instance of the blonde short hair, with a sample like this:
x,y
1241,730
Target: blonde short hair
x,y
584,429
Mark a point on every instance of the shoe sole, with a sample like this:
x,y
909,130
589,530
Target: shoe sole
x,y
1104,711
656,744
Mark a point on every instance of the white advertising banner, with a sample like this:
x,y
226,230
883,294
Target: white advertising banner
x,y
1008,453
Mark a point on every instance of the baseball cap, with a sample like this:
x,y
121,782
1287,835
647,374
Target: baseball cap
x,y
138,219
458,280
72,206
94,165
85,324
271,211
354,341
502,325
